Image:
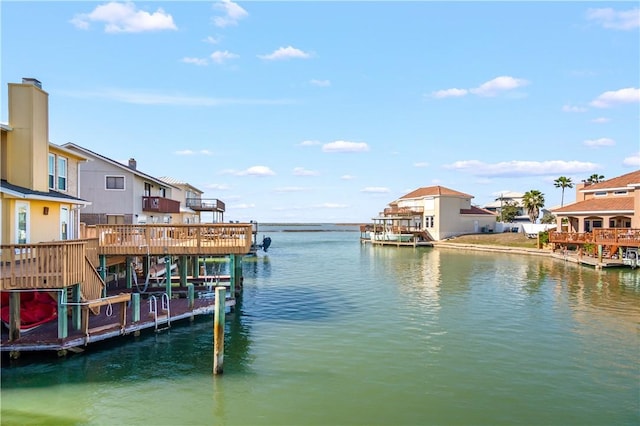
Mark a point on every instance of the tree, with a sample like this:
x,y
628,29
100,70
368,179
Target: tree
x,y
563,182
594,178
548,218
509,211
533,201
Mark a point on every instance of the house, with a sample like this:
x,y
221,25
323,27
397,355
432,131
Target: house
x,y
122,194
509,197
39,190
614,203
192,205
441,212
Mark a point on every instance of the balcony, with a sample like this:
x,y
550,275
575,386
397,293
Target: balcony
x,y
403,211
160,205
205,204
625,237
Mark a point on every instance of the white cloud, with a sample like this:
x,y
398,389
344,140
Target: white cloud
x,y
211,40
449,93
217,186
320,83
421,164
309,143
633,160
148,98
184,152
601,120
345,146
232,13
376,190
615,20
285,53
347,177
257,171
195,61
599,142
243,206
497,85
301,171
573,108
517,168
614,97
125,18
331,206
220,56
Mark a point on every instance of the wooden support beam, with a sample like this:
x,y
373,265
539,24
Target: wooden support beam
x,y
218,330
14,316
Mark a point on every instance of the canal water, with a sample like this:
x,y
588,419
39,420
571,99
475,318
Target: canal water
x,y
332,332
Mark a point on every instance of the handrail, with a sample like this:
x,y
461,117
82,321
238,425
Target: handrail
x,y
609,236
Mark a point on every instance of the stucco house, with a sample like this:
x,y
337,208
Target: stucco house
x,y
614,203
509,197
122,194
192,205
441,212
39,186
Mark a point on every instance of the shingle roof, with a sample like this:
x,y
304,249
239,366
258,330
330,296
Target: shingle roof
x,y
30,193
476,210
430,191
617,182
599,205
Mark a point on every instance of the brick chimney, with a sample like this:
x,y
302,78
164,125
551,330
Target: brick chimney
x,y
132,163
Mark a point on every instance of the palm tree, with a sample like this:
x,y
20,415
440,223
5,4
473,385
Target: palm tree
x,y
563,182
594,178
533,201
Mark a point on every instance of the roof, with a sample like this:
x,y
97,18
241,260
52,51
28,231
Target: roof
x,y
174,181
432,191
624,181
136,172
26,193
476,210
605,204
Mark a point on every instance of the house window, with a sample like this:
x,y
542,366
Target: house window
x,y
22,219
64,223
115,219
114,182
428,222
52,171
62,174
600,194
147,189
619,192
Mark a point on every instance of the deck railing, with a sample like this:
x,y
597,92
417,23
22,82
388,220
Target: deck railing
x,y
609,236
43,265
202,239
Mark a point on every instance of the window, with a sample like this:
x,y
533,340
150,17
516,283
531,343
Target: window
x,y
22,219
147,189
52,171
620,192
64,223
600,193
62,174
115,182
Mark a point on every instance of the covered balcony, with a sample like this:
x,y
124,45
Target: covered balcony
x,y
160,205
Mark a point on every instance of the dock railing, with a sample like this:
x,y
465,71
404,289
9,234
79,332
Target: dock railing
x,y
626,237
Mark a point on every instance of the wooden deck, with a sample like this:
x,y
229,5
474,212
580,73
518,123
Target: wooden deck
x,y
620,237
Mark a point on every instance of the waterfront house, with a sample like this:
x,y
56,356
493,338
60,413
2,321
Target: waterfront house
x,y
509,197
192,205
439,212
122,194
614,203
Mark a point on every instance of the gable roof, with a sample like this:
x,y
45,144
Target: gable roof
x,y
621,182
599,205
30,194
174,181
477,210
136,172
433,191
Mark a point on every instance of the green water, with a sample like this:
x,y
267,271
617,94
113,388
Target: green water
x,y
332,332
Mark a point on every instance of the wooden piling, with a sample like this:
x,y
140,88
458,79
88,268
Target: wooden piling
x,y
191,295
218,330
135,307
167,272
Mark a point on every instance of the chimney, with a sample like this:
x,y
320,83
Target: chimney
x,y
33,81
132,163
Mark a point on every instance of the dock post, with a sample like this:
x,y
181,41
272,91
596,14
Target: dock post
x,y
232,274
238,276
195,266
103,273
127,273
62,315
218,331
183,271
135,307
599,253
167,273
76,310
191,293
14,316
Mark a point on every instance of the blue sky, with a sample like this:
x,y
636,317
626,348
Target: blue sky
x,y
327,111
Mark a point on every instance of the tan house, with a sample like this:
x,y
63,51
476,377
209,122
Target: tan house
x,y
614,203
122,194
39,189
441,212
509,197
192,205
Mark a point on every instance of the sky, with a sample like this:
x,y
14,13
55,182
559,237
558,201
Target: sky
x,y
327,111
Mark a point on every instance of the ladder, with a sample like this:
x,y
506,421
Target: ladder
x,y
165,316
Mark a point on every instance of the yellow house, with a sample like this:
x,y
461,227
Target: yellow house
x,y
39,180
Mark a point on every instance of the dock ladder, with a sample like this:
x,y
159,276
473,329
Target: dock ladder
x,y
166,311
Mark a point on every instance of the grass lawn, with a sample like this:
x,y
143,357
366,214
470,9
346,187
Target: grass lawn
x,y
508,239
